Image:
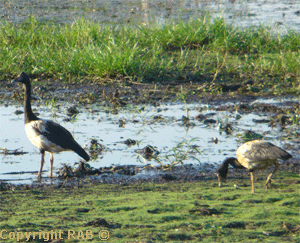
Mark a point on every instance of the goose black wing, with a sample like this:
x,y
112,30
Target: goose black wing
x,y
57,134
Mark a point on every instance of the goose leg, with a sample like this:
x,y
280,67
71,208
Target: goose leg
x,y
269,179
252,180
42,163
51,165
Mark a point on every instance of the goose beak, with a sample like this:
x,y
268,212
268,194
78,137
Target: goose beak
x,y
219,179
22,78
220,183
16,80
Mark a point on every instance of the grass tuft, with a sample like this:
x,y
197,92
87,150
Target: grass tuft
x,y
178,51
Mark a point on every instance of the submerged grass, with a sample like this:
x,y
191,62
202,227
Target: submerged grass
x,y
174,212
198,50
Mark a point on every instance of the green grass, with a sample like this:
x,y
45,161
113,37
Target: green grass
x,y
202,49
182,212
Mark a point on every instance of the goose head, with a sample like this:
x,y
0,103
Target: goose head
x,y
22,78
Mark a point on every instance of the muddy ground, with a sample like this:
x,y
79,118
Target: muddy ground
x,y
122,91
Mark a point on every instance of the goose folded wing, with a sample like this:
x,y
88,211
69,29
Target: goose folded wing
x,y
265,152
57,134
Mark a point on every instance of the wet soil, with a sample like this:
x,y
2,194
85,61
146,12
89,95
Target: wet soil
x,y
179,174
120,92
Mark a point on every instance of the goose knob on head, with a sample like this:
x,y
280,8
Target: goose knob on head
x,y
254,155
46,135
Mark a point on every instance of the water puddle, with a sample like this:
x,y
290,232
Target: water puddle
x,y
281,14
163,127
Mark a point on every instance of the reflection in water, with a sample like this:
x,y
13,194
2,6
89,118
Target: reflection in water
x,y
161,127
281,14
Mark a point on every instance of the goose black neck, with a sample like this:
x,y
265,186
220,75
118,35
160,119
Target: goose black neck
x,y
29,116
235,163
222,171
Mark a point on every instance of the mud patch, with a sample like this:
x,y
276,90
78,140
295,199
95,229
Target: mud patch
x,y
153,130
205,211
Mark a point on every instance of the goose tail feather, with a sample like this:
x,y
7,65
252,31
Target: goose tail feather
x,y
80,151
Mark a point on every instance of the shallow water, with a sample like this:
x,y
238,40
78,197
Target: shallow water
x,y
100,123
281,14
